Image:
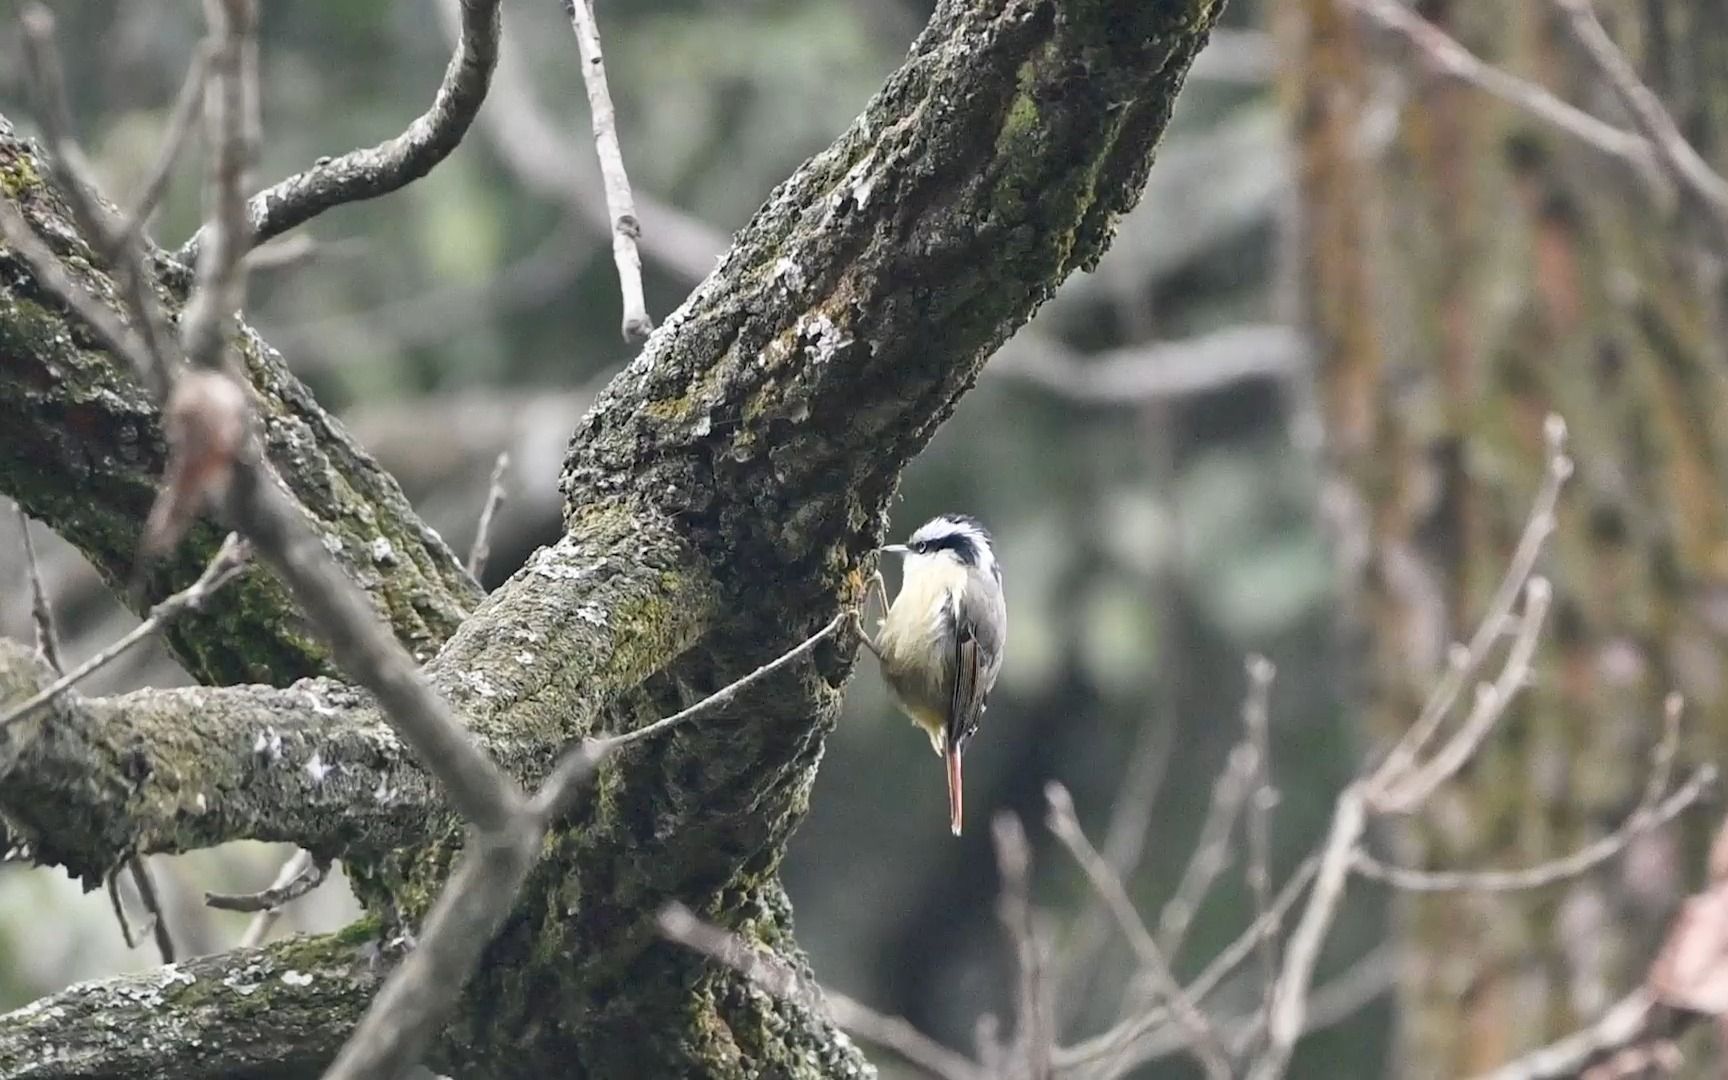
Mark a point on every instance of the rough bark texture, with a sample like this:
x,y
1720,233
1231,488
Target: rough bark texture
x,y
1469,272
723,498
81,448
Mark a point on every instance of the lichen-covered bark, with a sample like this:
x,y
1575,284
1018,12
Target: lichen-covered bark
x,y
1478,273
724,497
275,1013
81,449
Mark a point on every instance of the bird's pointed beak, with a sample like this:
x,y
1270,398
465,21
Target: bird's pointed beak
x,y
893,549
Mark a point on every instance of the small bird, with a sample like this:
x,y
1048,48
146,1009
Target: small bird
x,y
940,643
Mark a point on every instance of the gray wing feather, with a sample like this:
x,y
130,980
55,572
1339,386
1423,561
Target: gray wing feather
x,y
980,624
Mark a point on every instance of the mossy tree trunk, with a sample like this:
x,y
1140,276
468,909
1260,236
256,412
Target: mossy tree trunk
x,y
1468,271
723,499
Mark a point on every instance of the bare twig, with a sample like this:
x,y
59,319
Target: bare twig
x,y
231,138
301,883
1492,700
153,904
535,148
1256,719
78,185
1033,1037
180,124
482,548
381,169
1211,851
1331,1004
1207,1045
679,925
229,560
1287,1016
1554,871
259,928
1122,1044
625,225
127,934
41,612
1125,839
1662,757
1448,58
1693,174
1622,1025
1467,660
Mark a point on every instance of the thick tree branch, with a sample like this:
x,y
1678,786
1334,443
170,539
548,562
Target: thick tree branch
x,y
81,449
179,1020
90,781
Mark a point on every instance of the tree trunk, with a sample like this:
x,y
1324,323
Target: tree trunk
x,y
722,501
1468,271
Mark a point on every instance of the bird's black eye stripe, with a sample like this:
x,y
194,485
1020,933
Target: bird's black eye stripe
x,y
964,547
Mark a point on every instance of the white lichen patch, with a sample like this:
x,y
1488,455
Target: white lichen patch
x,y
317,769
789,274
478,682
382,552
268,744
591,615
383,793
821,336
317,704
296,978
332,543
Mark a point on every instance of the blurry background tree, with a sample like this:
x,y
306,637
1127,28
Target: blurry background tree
x,y
1469,264
1148,451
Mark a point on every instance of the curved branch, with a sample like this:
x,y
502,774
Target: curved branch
x,y
179,1020
379,170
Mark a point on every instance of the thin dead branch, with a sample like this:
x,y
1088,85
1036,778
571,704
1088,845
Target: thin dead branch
x,y
181,123
1447,58
1625,1023
1466,660
481,549
273,898
1492,701
1033,1038
1204,1040
626,227
1555,871
381,169
41,611
1211,852
259,928
152,901
1125,1044
229,560
1256,719
1688,168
